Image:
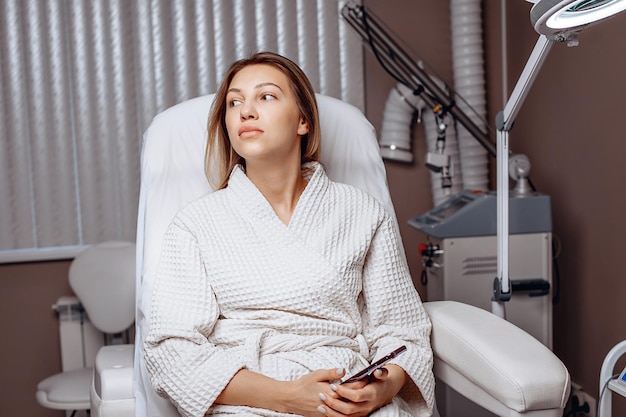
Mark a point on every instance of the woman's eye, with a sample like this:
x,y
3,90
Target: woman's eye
x,y
267,97
234,102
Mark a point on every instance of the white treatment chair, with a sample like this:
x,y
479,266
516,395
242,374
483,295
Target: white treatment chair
x,y
102,276
485,358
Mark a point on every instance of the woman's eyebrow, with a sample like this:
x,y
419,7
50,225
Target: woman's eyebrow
x,y
268,84
256,87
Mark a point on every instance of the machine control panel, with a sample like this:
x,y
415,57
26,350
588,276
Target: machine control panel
x,y
471,213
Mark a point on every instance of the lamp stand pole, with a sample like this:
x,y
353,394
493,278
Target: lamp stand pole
x,y
504,123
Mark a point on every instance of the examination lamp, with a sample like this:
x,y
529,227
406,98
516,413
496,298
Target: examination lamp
x,y
555,18
555,21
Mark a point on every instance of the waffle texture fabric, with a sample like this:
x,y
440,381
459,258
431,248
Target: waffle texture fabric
x,y
237,288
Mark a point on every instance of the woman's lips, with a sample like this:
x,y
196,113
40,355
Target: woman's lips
x,y
249,131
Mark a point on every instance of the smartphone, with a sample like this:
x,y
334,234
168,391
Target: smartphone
x,y
364,373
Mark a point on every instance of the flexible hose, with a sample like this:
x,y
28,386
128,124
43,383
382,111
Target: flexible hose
x,y
468,159
469,83
395,137
395,132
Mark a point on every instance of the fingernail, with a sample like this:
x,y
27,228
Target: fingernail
x,y
379,372
333,387
321,409
339,371
322,396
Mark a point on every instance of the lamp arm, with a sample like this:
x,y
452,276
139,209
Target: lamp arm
x,y
506,118
406,71
504,123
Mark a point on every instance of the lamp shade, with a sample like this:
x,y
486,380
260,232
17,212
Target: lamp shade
x,y
553,17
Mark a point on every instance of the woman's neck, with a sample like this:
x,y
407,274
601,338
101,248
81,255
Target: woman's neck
x,y
281,186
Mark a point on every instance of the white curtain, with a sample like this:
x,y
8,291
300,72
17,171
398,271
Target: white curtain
x,y
82,79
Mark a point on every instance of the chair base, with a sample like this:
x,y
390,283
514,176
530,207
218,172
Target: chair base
x,y
117,408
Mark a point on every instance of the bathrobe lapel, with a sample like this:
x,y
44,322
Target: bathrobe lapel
x,y
300,261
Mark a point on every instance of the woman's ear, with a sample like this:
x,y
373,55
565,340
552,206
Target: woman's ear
x,y
303,127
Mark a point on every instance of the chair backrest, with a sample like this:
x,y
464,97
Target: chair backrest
x,y
103,278
173,174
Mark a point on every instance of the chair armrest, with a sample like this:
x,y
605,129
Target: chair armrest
x,y
494,363
113,372
112,392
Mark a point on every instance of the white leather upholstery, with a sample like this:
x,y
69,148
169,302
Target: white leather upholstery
x,y
173,174
495,363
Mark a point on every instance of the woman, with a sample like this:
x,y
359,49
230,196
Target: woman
x,y
274,287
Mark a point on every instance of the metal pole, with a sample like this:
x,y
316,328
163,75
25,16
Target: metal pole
x,y
504,123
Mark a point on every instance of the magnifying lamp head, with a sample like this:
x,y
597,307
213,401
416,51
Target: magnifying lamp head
x,y
555,17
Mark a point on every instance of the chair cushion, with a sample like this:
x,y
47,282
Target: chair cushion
x,y
66,390
496,358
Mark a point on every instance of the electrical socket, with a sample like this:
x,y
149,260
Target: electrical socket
x,y
584,398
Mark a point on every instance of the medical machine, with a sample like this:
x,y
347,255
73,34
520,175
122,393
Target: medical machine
x,y
460,256
460,264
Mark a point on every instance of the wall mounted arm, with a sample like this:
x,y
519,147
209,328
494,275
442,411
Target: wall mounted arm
x,y
406,71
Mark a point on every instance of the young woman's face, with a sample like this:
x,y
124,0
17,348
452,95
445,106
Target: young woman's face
x,y
262,116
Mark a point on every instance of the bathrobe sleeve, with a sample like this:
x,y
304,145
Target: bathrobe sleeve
x,y
393,313
182,363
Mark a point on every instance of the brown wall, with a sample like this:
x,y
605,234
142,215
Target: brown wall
x,y
29,350
572,132
427,32
571,127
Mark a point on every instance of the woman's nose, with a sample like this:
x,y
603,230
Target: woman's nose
x,y
248,112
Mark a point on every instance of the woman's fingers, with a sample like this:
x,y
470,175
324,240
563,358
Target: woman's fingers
x,y
380,374
340,406
307,393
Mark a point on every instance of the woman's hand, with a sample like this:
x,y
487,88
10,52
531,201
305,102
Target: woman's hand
x,y
315,394
361,398
303,394
300,396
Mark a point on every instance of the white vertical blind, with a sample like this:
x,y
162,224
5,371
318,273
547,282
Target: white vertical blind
x,y
81,81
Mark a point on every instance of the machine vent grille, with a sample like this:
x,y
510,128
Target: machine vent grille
x,y
480,265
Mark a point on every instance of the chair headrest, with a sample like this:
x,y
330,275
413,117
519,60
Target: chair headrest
x,y
103,278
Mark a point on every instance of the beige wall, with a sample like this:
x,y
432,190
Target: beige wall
x,y
572,132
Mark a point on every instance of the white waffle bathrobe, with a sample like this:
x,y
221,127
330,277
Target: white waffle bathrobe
x,y
237,288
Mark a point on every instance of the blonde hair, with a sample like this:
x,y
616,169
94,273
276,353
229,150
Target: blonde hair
x,y
220,157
